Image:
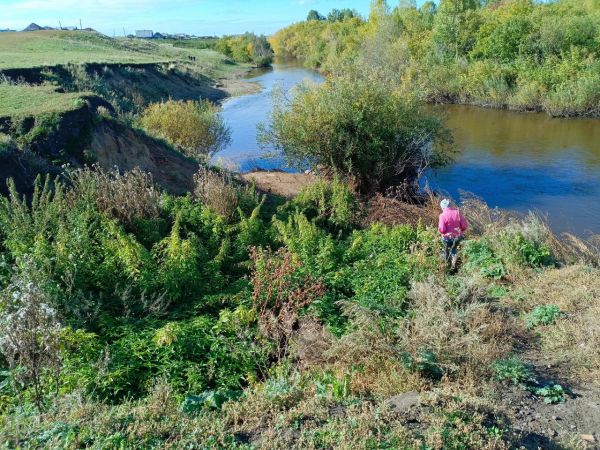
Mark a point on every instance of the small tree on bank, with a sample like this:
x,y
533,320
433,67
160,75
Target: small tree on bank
x,y
359,129
195,128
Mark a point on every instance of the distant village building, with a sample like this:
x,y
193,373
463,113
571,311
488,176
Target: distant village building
x,y
158,36
144,34
6,30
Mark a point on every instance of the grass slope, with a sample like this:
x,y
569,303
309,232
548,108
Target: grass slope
x,y
51,48
25,100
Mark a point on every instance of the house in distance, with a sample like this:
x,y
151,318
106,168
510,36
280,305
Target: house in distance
x,y
144,34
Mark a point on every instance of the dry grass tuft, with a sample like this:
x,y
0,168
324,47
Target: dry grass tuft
x,y
466,337
391,211
216,190
483,219
123,196
310,343
570,248
573,342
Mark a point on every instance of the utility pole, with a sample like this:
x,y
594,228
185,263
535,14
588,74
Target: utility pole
x,y
80,27
59,25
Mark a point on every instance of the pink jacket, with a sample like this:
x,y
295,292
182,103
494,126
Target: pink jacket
x,y
452,223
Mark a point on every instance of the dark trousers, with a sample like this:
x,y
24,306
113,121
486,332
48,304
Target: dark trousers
x,y
451,246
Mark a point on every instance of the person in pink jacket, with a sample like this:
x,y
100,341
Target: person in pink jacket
x,y
452,226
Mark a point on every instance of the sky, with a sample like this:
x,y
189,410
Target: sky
x,y
198,17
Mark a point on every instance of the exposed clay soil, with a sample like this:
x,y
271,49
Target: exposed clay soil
x,y
113,145
279,183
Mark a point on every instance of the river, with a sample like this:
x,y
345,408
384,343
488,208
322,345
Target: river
x,y
512,160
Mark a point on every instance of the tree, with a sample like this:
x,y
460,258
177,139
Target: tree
x,y
313,14
339,15
454,23
195,128
358,129
246,48
262,53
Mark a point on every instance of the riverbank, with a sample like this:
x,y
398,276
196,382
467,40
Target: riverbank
x,y
497,55
282,184
301,330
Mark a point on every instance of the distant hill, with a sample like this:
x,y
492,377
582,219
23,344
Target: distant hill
x,y
35,27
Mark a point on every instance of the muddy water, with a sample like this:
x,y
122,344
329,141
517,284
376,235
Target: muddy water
x,y
516,161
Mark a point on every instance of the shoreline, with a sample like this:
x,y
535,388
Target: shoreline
x,y
280,183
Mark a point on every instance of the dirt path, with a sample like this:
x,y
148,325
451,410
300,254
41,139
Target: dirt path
x,y
575,423
284,184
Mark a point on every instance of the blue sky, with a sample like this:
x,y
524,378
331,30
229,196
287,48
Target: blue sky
x,y
200,17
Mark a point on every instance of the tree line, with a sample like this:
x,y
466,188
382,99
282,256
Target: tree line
x,y
518,54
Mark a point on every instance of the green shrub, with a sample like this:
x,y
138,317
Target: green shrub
x,y
543,315
425,362
551,393
315,248
481,258
185,269
497,291
281,391
513,370
329,385
358,129
195,128
6,143
527,252
331,204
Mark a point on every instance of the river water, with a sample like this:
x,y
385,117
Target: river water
x,y
516,161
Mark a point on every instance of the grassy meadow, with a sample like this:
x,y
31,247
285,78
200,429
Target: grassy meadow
x,y
26,100
52,48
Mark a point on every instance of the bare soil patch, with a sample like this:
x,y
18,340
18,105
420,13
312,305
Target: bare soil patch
x,y
279,183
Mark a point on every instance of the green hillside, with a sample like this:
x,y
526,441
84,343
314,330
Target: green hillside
x,y
51,48
25,100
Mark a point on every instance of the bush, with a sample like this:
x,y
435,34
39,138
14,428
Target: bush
x,y
481,258
281,290
195,128
358,129
530,253
218,190
332,204
512,370
127,197
29,334
247,48
543,315
6,144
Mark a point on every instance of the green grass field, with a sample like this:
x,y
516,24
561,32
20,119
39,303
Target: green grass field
x,y
52,48
25,100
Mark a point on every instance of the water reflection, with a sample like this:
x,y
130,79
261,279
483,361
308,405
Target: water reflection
x,y
243,114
